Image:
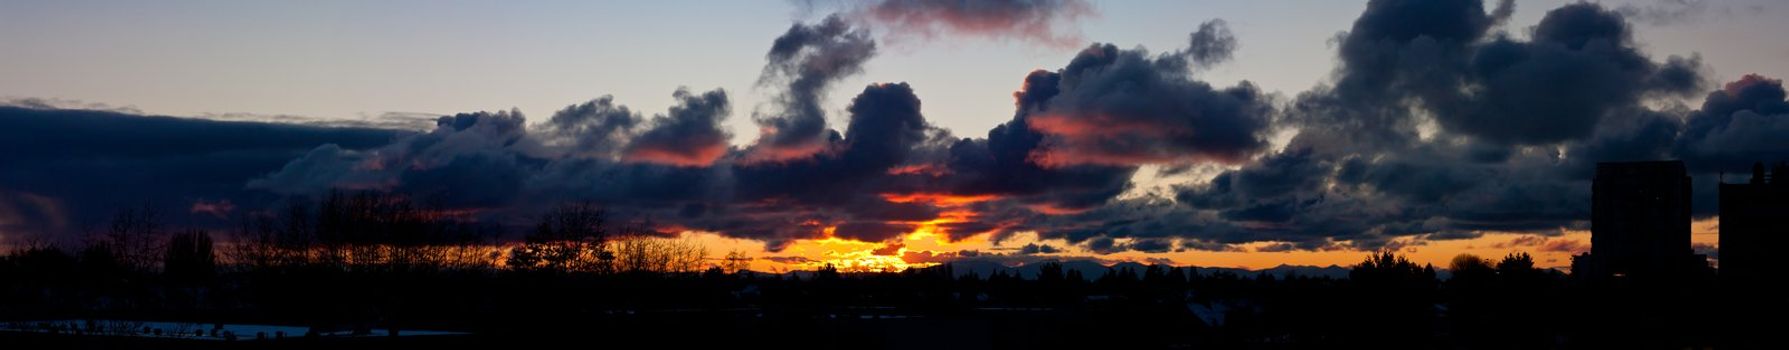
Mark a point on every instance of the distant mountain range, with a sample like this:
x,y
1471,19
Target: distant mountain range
x,y
1092,269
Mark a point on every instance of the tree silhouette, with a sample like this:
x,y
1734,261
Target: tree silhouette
x,y
570,237
132,237
189,257
1395,298
736,262
1471,267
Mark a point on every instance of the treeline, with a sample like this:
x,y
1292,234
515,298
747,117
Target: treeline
x,y
1387,301
350,260
357,261
379,231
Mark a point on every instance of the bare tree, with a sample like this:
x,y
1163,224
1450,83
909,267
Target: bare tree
x,y
736,261
571,237
648,254
189,257
132,237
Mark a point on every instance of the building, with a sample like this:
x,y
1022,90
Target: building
x,y
1640,222
1754,224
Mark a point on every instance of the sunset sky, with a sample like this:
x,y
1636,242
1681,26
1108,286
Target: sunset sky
x,y
884,134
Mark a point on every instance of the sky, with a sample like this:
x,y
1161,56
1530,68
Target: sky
x,y
1322,130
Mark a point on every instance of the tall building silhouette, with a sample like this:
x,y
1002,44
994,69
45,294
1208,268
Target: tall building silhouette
x,y
1640,221
1754,224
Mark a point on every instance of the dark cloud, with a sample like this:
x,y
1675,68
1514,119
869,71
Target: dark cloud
x,y
1503,11
1277,177
67,170
840,187
1208,245
1668,12
1122,107
1544,244
1037,194
1152,245
1403,46
807,59
1306,198
1003,163
1743,123
1211,44
1045,22
885,125
788,259
1503,151
1276,247
597,128
597,150
40,103
1522,241
689,135
479,180
325,167
926,256
961,230
26,216
388,120
872,231
1581,66
473,159
1103,245
1569,246
1453,235
1034,248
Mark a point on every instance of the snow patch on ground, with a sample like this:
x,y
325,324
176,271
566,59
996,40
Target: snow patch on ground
x,y
188,330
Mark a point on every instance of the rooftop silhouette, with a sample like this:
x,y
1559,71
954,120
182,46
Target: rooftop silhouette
x,y
1640,222
1754,226
1754,221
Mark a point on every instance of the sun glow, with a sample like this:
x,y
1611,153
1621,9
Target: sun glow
x,y
939,199
932,241
847,255
929,236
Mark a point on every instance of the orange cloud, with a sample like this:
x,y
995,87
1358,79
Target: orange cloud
x,y
676,156
220,209
939,199
932,170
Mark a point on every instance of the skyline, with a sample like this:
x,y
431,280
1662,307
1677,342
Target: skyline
x,y
1238,139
